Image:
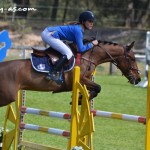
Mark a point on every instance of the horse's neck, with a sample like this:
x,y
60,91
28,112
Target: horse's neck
x,y
104,53
114,50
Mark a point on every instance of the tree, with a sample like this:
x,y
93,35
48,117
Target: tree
x,y
54,10
144,16
138,14
65,10
108,13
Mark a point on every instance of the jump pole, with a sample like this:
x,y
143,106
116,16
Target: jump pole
x,y
113,115
98,113
53,114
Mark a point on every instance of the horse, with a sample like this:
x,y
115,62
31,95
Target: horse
x,y
19,74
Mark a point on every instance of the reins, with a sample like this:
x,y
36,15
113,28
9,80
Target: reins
x,y
89,59
91,62
114,61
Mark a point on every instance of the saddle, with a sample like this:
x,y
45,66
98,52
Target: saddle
x,y
52,54
43,60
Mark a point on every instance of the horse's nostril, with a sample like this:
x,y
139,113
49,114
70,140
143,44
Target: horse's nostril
x,y
138,80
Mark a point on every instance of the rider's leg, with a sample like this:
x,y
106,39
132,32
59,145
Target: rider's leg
x,y
59,64
59,46
56,44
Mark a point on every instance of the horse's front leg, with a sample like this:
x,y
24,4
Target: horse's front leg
x,y
93,88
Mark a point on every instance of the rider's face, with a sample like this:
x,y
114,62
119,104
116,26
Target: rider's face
x,y
89,24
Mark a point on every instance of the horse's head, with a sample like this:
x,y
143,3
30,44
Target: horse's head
x,y
122,56
128,66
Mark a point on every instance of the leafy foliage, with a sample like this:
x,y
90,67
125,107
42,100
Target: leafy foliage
x,y
112,13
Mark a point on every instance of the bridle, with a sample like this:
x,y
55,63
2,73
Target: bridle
x,y
130,67
127,58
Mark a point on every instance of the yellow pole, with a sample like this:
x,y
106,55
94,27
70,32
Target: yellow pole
x,y
74,115
8,136
17,130
82,124
148,115
14,117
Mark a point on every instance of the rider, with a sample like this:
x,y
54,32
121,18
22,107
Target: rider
x,y
54,35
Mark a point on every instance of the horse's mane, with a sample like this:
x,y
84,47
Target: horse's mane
x,y
107,42
100,42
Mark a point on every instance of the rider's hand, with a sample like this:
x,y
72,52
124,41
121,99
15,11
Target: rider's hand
x,y
95,42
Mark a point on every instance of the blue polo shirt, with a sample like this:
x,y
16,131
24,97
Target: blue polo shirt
x,y
73,33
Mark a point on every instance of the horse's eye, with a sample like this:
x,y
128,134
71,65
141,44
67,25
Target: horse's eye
x,y
131,58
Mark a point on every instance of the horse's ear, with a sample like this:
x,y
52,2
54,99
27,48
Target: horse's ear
x,y
130,46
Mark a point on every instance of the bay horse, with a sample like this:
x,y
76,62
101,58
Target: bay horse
x,y
19,75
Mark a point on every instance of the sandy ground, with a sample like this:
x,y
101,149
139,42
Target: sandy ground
x,y
25,41
31,39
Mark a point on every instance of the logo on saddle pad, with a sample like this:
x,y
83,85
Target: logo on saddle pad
x,y
5,44
41,66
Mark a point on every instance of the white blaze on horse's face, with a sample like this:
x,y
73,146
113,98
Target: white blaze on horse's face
x,y
88,24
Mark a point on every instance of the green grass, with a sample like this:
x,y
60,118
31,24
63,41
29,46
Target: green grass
x,y
116,95
119,96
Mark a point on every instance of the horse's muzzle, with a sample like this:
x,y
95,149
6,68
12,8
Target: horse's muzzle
x,y
135,81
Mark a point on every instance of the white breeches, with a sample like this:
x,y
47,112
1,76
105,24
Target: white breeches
x,y
57,44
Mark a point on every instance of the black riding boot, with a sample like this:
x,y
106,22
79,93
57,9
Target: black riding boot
x,y
57,67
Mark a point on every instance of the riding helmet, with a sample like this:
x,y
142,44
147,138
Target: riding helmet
x,y
86,15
